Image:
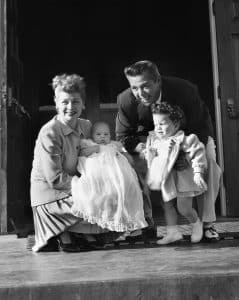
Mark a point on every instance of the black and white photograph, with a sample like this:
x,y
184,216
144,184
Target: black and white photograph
x,y
119,150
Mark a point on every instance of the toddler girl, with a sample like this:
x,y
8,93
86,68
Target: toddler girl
x,y
108,191
162,149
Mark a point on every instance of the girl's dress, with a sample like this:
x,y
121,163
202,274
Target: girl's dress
x,y
161,155
108,191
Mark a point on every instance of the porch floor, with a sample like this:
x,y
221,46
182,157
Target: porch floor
x,y
182,271
228,228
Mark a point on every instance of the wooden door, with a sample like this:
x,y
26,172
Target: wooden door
x,y
3,118
15,158
227,34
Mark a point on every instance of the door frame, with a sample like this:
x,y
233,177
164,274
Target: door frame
x,y
217,105
3,116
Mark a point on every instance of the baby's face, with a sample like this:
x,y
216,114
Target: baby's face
x,y
163,126
101,134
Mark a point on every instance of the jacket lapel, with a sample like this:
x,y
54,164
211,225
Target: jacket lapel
x,y
145,115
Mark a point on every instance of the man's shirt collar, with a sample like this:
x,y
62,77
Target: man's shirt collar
x,y
159,98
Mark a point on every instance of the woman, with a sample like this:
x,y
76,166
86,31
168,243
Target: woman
x,y
54,165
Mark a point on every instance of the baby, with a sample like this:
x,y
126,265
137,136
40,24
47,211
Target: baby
x,y
108,191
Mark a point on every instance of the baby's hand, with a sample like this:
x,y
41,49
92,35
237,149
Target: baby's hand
x,y
198,179
87,151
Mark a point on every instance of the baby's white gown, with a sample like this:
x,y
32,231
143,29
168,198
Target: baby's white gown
x,y
108,191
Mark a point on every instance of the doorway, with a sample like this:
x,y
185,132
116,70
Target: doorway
x,y
97,40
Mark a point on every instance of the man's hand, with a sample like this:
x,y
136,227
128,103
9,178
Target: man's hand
x,y
198,179
87,151
140,147
78,174
181,162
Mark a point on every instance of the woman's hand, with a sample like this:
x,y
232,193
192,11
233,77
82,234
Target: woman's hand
x,y
87,151
198,179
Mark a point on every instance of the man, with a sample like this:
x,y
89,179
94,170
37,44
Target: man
x,y
134,121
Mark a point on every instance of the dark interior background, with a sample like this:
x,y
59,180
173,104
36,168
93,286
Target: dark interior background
x,y
97,39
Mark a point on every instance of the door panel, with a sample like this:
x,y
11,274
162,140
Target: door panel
x,y
235,59
227,31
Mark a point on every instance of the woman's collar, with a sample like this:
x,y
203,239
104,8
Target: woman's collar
x,y
66,129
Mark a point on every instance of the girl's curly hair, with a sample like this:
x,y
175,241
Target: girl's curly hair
x,y
174,112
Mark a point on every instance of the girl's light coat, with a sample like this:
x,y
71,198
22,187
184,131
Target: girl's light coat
x,y
161,155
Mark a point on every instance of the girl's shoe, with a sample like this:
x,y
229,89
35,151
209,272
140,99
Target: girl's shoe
x,y
173,235
197,231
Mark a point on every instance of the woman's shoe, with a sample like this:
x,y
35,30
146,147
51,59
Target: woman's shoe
x,y
84,242
122,237
68,247
98,244
51,246
135,236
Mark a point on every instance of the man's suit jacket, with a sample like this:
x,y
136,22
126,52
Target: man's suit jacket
x,y
134,120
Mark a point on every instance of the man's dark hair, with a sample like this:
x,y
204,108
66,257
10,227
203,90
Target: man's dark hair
x,y
143,66
174,112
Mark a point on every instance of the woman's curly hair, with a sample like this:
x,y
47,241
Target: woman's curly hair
x,y
69,83
174,112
